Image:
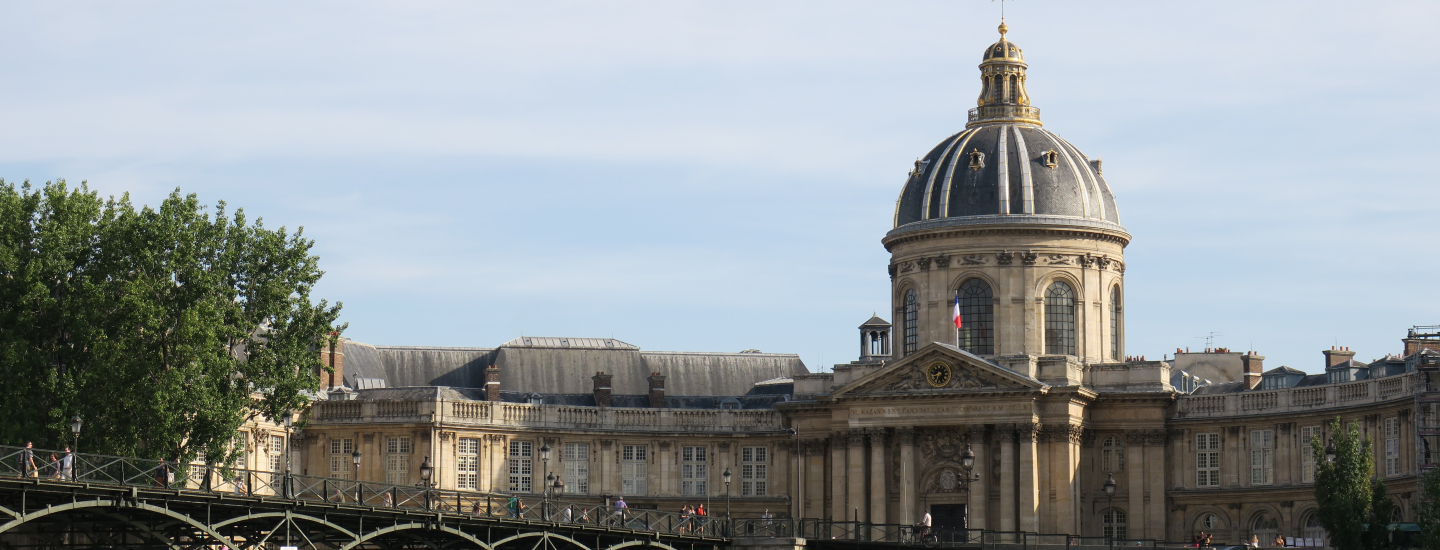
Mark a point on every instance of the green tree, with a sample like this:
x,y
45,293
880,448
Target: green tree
x,y
1348,498
164,328
1429,509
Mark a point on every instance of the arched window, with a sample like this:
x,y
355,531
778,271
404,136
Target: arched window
x,y
1115,523
912,314
1112,455
977,317
1115,311
1313,530
1265,528
1060,319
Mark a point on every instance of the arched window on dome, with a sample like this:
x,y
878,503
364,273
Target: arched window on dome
x,y
1115,312
1112,455
1060,319
912,314
977,317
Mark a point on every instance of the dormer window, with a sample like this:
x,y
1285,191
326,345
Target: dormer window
x,y
977,160
534,399
1051,158
730,404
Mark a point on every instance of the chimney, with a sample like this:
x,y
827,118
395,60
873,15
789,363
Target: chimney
x,y
1414,345
1254,367
602,388
1336,355
492,383
332,356
657,390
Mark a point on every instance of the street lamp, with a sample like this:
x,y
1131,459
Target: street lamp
x,y
355,457
545,475
1330,451
75,448
1110,493
426,470
726,476
289,422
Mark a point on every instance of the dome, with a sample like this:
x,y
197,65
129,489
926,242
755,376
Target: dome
x,y
1005,168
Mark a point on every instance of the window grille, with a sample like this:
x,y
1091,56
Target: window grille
x,y
694,471
977,314
577,468
1262,457
1392,446
522,456
1115,523
1112,455
633,470
1207,460
467,464
1265,528
340,463
1115,312
912,314
1307,454
397,460
754,467
1060,319
1314,530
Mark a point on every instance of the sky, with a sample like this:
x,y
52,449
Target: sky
x,y
716,176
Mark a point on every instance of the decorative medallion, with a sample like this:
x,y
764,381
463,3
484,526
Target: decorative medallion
x,y
938,374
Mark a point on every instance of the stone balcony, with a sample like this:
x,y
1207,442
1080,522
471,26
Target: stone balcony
x,y
521,416
1298,400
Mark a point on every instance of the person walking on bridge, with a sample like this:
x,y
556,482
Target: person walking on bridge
x,y
27,461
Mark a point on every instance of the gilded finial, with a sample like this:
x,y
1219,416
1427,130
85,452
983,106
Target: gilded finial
x,y
1003,29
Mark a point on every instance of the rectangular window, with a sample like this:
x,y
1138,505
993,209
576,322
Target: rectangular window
x,y
754,466
633,470
1262,457
1392,446
276,451
694,471
577,468
1207,460
522,454
467,464
1307,454
397,460
340,463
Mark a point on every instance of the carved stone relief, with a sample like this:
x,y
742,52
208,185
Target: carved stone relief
x,y
942,262
924,264
942,444
1004,258
1028,258
972,259
1058,259
906,267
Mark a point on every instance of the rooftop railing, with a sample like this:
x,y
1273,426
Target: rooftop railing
x,y
523,415
1291,400
1004,112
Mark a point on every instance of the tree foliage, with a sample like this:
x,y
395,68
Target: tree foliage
x,y
163,328
1353,507
1429,509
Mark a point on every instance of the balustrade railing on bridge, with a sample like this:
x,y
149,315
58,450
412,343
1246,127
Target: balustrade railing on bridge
x,y
126,471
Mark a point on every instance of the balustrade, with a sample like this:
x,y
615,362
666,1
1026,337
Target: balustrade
x,y
1298,399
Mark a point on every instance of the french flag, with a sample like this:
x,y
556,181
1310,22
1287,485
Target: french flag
x,y
958,323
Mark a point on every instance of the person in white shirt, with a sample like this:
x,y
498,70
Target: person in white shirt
x,y
924,525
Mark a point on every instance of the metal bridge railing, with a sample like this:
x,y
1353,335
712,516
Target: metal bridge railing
x,y
49,465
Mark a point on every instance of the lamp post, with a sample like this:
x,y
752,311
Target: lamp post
x,y
426,470
545,475
355,457
75,424
289,422
1110,493
1330,451
967,461
726,476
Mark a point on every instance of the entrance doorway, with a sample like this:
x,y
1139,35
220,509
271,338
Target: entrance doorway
x,y
948,516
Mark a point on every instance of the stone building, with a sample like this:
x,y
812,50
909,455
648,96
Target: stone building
x,y
1017,231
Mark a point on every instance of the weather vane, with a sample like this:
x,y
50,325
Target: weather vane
x,y
1002,10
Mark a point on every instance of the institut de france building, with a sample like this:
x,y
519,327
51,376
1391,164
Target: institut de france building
x,y
1020,227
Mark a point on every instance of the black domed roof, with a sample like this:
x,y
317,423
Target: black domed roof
x,y
1006,173
1003,50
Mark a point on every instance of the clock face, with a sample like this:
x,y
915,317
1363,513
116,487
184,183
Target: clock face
x,y
938,375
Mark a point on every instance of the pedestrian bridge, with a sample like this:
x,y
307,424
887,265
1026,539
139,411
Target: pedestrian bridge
x,y
127,502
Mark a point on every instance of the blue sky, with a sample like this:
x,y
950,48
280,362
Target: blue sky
x,y
716,176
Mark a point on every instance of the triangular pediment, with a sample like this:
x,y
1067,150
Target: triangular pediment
x,y
940,368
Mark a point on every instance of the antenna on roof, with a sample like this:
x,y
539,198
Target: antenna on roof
x,y
1210,339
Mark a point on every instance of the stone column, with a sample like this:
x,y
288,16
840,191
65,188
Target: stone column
x,y
855,477
815,478
878,500
1135,484
839,442
1005,433
667,467
1155,442
1029,478
907,475
979,488
1064,442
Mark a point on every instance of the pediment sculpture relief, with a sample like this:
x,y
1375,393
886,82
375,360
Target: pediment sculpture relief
x,y
935,375
942,444
947,481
